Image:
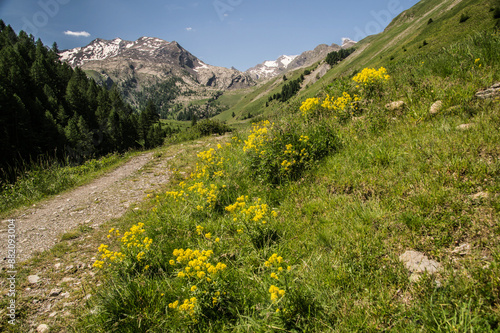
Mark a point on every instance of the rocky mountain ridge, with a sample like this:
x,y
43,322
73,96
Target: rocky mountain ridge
x,y
269,69
149,60
142,68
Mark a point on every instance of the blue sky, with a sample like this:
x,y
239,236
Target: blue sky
x,y
239,33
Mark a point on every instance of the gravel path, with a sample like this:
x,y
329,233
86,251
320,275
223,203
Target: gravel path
x,y
40,227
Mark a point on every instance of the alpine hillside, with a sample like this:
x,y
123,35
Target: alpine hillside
x,y
181,85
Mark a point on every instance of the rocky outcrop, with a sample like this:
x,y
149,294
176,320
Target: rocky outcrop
x,y
223,78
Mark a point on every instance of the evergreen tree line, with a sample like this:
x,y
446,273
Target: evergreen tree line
x,y
337,56
162,94
289,90
48,108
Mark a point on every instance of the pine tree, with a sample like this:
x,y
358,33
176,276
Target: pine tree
x,y
46,106
148,117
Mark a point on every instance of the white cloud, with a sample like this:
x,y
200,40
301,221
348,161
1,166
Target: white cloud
x,y
189,29
77,33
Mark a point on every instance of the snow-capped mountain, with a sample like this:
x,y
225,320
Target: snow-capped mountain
x,y
347,43
134,65
100,49
269,69
150,59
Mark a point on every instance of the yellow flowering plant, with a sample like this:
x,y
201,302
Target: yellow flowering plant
x,y
276,272
253,219
370,81
309,106
283,152
134,248
201,277
342,107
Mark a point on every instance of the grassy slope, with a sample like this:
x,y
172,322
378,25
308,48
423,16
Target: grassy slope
x,y
254,101
399,180
408,31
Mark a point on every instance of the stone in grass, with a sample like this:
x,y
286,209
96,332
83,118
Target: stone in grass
x,y
67,279
418,263
436,107
465,126
491,92
32,279
462,249
393,106
42,328
479,195
55,292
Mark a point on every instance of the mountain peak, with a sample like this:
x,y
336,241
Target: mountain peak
x,y
150,59
347,42
271,68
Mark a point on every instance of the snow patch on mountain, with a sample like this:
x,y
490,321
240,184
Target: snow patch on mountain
x,y
286,60
271,64
271,68
202,66
347,43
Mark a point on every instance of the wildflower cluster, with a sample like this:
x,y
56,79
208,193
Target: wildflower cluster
x,y
107,255
210,164
275,264
133,245
207,194
295,155
200,275
370,76
208,235
477,62
343,106
280,153
202,190
342,103
177,195
308,105
195,265
186,308
276,293
249,214
201,194
258,137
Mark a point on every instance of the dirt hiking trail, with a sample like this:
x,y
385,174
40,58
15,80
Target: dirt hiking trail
x,y
40,227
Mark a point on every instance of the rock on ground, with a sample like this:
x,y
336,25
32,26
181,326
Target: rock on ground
x,y
491,92
417,262
393,106
464,126
32,279
436,107
42,328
